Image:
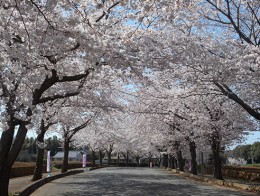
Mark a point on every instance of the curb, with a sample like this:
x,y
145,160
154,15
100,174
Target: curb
x,y
227,183
32,187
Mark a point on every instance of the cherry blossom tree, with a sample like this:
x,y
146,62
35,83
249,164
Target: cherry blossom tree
x,y
193,53
92,137
35,54
47,120
188,117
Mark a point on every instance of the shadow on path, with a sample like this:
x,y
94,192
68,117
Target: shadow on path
x,y
122,184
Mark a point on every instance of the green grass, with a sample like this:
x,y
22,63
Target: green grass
x,y
252,165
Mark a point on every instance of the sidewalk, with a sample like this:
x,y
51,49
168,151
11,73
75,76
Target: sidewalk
x,y
20,183
228,182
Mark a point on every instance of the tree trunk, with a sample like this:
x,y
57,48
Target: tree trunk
x,y
40,154
100,158
109,158
4,181
5,146
215,146
66,156
117,160
165,161
127,158
9,153
170,161
137,158
173,162
93,158
180,160
193,157
39,164
160,161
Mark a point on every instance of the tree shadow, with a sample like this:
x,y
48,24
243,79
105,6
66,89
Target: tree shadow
x,y
143,185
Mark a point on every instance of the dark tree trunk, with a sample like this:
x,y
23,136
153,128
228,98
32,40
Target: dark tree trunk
x,y
40,154
5,146
39,164
193,157
109,158
127,158
109,151
93,158
173,162
68,135
66,156
100,158
137,158
170,161
201,158
165,160
180,161
9,153
160,161
215,146
117,160
6,143
149,160
4,181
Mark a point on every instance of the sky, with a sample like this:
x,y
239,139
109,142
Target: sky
x,y
249,139
253,137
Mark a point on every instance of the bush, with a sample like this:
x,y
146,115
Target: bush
x,y
27,168
72,164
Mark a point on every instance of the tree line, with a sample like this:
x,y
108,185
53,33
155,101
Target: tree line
x,y
249,152
29,148
181,75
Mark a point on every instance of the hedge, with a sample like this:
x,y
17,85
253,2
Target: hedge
x,y
27,168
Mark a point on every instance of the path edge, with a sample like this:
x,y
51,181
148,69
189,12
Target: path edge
x,y
227,183
33,187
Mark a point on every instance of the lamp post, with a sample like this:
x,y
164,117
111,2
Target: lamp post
x,y
49,163
84,161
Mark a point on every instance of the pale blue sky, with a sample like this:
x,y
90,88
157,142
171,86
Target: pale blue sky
x,y
253,137
250,139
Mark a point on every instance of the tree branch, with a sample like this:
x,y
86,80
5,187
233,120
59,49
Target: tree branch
x,y
55,97
45,18
50,81
230,94
109,9
75,130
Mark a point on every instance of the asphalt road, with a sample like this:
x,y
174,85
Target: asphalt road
x,y
131,181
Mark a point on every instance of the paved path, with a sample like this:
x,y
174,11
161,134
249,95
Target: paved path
x,y
19,183
131,181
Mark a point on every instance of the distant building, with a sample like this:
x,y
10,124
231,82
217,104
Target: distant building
x,y
121,159
74,155
235,161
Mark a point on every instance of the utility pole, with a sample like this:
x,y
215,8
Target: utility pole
x,y
252,154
